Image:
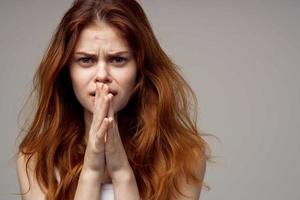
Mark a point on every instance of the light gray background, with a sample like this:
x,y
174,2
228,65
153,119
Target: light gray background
x,y
240,57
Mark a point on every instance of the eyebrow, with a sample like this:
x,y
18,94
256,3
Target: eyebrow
x,y
93,54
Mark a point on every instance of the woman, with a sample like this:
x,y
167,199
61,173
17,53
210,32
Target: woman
x,y
112,118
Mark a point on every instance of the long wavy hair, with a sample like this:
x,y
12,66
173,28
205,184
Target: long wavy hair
x,y
161,140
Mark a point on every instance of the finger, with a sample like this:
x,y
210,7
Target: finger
x,y
110,138
110,113
96,108
110,120
99,137
105,90
97,101
110,109
101,105
113,140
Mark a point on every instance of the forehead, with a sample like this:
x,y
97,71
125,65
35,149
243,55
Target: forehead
x,y
101,37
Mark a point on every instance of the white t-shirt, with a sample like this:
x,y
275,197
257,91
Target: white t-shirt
x,y
106,193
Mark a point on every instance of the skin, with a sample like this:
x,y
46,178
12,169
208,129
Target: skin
x,y
104,73
104,65
98,66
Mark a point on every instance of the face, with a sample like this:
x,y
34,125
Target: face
x,y
101,55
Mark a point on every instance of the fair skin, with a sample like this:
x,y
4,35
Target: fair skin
x,y
103,74
111,75
102,58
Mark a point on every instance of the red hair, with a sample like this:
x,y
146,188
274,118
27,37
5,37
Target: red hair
x,y
161,139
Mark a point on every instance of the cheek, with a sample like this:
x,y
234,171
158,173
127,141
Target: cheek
x,y
80,76
129,80
79,80
127,83
75,81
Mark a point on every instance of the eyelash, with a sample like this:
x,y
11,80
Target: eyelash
x,y
118,57
85,58
111,59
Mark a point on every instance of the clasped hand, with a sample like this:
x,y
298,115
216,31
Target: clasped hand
x,y
104,147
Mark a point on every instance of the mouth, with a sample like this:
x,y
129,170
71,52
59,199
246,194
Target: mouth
x,y
110,91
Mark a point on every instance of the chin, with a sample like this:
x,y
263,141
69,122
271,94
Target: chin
x,y
122,106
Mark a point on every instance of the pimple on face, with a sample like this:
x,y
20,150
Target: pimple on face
x,y
97,37
104,43
102,54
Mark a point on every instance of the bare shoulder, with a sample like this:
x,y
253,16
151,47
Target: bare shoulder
x,y
190,189
28,184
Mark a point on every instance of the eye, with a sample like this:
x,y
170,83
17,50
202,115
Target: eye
x,y
118,60
86,60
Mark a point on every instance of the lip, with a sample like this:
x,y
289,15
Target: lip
x,y
93,93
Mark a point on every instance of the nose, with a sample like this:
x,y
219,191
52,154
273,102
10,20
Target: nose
x,y
102,73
